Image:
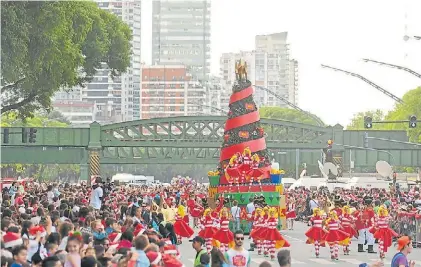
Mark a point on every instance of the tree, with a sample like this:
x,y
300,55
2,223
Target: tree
x,y
357,122
287,114
47,46
411,106
11,119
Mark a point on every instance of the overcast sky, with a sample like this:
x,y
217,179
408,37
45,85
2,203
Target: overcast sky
x,y
332,32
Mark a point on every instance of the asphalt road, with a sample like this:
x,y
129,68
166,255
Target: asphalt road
x,y
303,254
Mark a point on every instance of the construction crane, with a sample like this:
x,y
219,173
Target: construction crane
x,y
317,119
384,91
393,66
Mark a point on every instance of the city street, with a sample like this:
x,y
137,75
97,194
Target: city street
x,y
303,254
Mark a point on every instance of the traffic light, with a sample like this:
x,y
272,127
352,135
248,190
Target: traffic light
x,y
24,135
5,136
32,135
365,140
368,122
412,121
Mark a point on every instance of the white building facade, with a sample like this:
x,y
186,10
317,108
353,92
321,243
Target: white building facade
x,y
227,72
275,70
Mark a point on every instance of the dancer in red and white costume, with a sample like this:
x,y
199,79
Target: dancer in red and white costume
x,y
208,229
347,223
181,228
195,210
272,234
291,215
316,233
224,235
258,223
382,231
334,235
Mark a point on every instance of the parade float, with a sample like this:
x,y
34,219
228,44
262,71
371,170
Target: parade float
x,y
245,171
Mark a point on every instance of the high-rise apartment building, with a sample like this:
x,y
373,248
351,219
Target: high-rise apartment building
x,y
181,35
213,97
275,70
227,72
116,99
169,90
293,81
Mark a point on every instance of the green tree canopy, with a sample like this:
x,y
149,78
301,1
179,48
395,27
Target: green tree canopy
x,y
11,119
357,122
411,106
47,46
288,114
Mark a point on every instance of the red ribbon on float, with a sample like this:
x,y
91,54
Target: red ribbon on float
x,y
242,120
241,95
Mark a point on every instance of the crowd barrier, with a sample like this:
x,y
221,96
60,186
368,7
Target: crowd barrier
x,y
407,223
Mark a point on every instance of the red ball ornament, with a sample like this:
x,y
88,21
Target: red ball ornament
x,y
226,137
261,131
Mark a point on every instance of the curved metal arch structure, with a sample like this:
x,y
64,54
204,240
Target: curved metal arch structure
x,y
416,74
381,89
180,140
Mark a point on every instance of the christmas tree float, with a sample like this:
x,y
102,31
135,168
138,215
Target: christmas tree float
x,y
245,170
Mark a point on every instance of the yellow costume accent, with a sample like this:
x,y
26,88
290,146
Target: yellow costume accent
x,y
181,211
207,211
346,210
255,157
383,211
247,152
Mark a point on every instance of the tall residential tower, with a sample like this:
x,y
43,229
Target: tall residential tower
x,y
181,35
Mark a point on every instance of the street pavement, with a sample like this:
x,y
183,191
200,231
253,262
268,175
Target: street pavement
x,y
303,254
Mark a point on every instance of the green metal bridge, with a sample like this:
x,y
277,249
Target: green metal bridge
x,y
197,140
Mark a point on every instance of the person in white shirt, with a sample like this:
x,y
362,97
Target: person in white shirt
x,y
97,194
250,209
50,194
236,213
238,256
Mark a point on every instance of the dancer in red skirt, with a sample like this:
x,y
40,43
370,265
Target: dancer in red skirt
x,y
334,235
315,233
291,215
224,235
272,234
258,223
195,210
208,230
382,231
347,223
181,228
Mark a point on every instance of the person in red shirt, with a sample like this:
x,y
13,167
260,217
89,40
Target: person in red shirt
x,y
364,221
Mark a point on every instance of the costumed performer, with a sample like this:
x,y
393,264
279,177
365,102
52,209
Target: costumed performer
x,y
315,233
181,228
364,221
258,223
382,232
208,230
347,223
272,234
334,235
291,215
224,235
